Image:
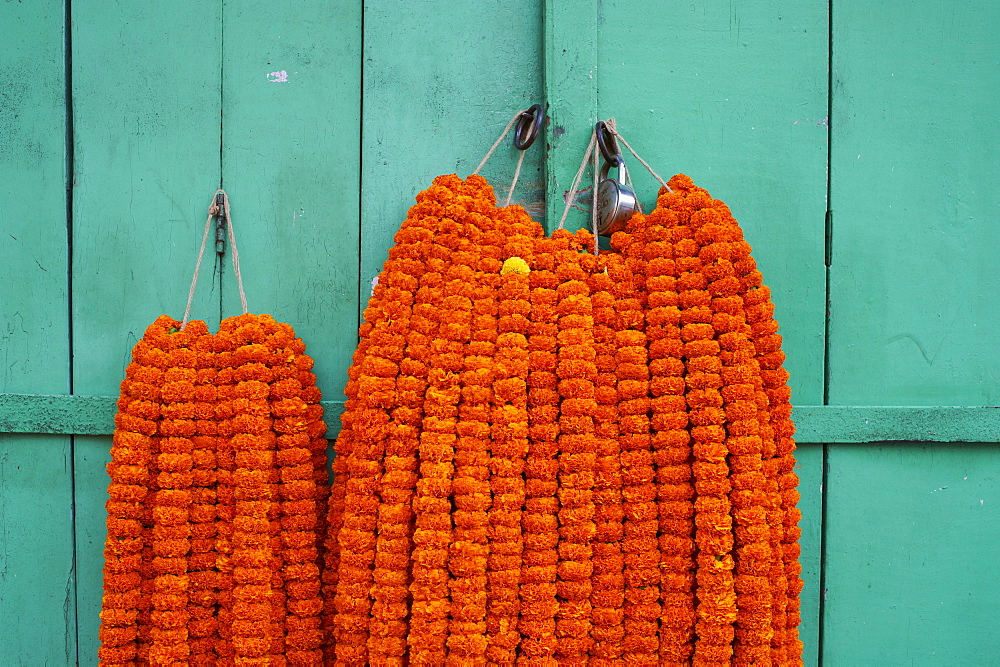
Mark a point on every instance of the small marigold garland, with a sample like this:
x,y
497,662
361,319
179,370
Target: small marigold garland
x,y
205,571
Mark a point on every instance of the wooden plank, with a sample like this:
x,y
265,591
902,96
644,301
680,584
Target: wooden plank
x,y
838,424
912,534
914,171
146,90
441,80
74,414
735,96
291,134
37,576
571,62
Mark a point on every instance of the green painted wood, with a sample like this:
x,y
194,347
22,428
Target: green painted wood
x,y
912,534
146,94
809,468
82,415
914,171
866,424
571,62
735,96
146,97
37,577
94,415
291,135
441,81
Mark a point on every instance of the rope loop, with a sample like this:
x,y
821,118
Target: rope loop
x,y
213,211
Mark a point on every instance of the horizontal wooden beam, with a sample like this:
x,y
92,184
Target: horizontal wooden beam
x,y
82,415
833,424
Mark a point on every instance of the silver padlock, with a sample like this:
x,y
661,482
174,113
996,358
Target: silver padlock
x,y
616,201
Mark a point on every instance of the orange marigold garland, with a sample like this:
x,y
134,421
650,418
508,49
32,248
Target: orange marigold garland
x,y
577,371
509,431
539,521
608,593
207,575
629,494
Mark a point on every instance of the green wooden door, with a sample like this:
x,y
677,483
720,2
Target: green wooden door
x,y
854,142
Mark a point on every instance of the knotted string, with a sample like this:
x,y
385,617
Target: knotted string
x,y
213,210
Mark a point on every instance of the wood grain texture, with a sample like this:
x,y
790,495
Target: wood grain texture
x,y
37,577
914,182
911,540
571,91
291,138
146,93
735,96
441,80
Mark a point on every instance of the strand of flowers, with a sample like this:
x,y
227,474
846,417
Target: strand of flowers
x,y
300,447
447,273
225,489
387,304
171,505
472,323
671,439
740,384
779,468
397,285
405,338
576,371
202,598
539,521
254,635
608,595
387,641
509,430
773,400
130,471
639,494
467,560
715,593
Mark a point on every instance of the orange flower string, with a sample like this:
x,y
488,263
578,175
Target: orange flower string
x,y
639,540
653,238
509,431
608,594
577,372
539,604
433,535
715,593
131,467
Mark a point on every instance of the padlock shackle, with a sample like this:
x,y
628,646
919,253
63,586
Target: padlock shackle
x,y
620,165
607,143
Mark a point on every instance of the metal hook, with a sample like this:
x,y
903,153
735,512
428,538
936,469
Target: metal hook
x,y
605,137
528,124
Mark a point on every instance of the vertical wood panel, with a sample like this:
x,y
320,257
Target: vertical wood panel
x,y
735,96
914,183
441,80
146,91
571,63
291,136
912,534
37,578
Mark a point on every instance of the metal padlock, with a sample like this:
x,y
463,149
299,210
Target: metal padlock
x,y
616,201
